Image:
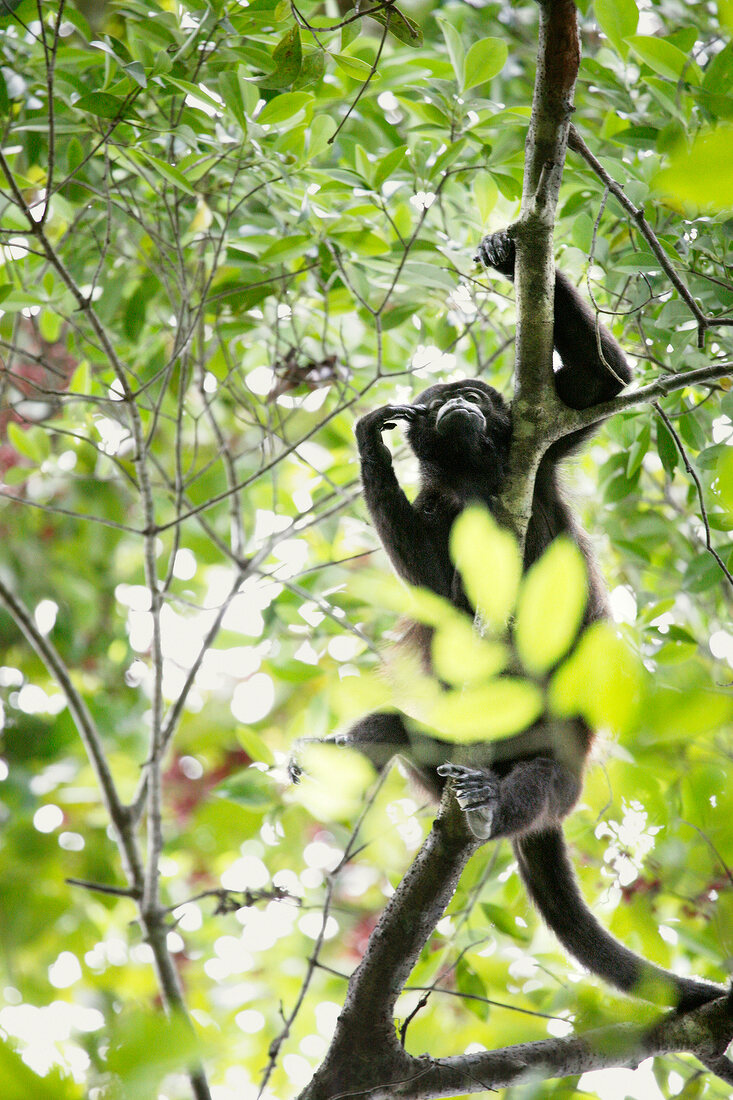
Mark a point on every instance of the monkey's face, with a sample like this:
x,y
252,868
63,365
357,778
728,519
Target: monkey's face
x,y
466,425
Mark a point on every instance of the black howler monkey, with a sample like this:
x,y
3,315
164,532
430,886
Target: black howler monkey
x,y
522,786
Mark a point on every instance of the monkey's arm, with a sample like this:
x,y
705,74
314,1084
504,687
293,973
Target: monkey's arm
x,y
594,367
401,528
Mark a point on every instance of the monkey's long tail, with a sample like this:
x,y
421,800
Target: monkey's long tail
x,y
548,874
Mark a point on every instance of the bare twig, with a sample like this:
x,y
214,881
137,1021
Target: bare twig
x,y
700,495
637,213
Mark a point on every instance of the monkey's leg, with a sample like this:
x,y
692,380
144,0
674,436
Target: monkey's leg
x,y
379,736
535,794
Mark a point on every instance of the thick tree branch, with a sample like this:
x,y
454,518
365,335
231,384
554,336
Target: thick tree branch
x,y
365,1049
535,403
572,419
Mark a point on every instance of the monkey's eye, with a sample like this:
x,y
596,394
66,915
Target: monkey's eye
x,y
475,397
435,404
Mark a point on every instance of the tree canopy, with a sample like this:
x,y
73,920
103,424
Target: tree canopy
x,y
226,230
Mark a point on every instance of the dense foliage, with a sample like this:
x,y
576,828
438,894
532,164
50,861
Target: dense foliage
x,y
226,230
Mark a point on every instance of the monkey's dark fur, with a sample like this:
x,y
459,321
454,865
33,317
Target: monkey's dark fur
x,y
523,786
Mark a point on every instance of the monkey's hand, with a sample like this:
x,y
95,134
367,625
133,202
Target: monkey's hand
x,y
477,793
497,251
385,418
369,429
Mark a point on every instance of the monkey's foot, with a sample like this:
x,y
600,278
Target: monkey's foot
x,y
497,251
477,793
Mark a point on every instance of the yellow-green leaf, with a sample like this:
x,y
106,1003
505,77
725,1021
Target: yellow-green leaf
x,y
703,174
504,706
485,193
602,680
32,442
552,600
460,656
488,559
352,66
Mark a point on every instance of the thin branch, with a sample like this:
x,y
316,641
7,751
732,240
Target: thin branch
x,y
85,724
349,853
637,213
365,85
700,495
572,419
104,888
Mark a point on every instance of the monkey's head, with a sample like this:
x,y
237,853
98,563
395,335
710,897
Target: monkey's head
x,y
466,428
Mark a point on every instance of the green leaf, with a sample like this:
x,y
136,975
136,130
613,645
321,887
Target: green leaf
x,y
504,921
618,19
386,166
231,93
472,988
486,194
32,443
312,69
250,788
691,713
283,107
552,600
666,448
136,306
102,104
352,66
363,164
16,475
287,249
81,379
489,562
21,1083
638,449
50,325
322,130
145,1046
483,61
193,90
701,175
455,45
702,573
324,798
363,242
170,174
665,58
400,25
74,155
288,58
136,72
4,98
447,157
429,275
